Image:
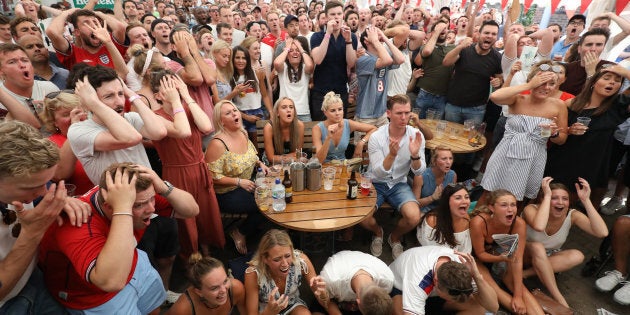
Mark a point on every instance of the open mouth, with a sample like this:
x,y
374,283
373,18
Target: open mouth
x,y
509,217
119,109
26,74
284,269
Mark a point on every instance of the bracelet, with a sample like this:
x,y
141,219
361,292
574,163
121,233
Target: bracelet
x,y
349,43
363,140
555,135
134,97
177,111
238,182
414,158
122,213
326,36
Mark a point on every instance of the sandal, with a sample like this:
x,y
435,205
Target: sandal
x,y
239,241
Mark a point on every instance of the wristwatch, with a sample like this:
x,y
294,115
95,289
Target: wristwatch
x,y
169,190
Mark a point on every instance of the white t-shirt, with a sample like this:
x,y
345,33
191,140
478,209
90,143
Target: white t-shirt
x,y
40,89
297,91
82,137
341,267
399,77
6,244
414,273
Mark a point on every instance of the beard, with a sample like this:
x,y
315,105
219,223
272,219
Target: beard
x,y
87,42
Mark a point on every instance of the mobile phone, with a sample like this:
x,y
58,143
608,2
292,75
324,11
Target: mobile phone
x,y
250,82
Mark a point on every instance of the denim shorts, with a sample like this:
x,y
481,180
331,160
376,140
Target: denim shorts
x,y
143,294
396,196
251,127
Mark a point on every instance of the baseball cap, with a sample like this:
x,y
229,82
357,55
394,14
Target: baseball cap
x,y
577,17
289,18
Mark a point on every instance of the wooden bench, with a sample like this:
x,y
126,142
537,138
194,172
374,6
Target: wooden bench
x,y
308,135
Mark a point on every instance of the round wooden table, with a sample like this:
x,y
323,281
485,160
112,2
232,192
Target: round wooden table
x,y
324,210
458,143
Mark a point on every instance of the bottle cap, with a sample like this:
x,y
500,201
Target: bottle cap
x,y
277,181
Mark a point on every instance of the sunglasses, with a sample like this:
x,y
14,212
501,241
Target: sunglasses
x,y
547,67
9,217
456,185
458,292
54,94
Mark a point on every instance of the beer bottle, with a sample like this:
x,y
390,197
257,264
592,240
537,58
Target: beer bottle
x,y
353,186
288,188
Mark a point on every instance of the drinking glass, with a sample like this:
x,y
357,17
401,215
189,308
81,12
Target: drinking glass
x,y
440,128
584,121
329,177
262,196
366,184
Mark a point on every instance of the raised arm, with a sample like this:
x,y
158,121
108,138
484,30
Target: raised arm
x,y
180,126
190,73
118,27
397,56
623,24
152,128
453,55
208,73
319,53
184,204
545,45
114,262
591,223
200,118
538,216
120,134
17,110
118,10
55,30
383,58
102,33
427,50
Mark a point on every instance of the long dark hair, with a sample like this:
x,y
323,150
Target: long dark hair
x,y
248,71
584,98
444,230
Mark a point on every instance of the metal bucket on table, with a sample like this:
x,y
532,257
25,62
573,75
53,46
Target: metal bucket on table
x,y
298,178
313,176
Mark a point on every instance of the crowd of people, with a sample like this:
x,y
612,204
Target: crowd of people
x,y
126,134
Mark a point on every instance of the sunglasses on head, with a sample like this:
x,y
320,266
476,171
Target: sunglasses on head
x,y
458,292
9,217
54,94
458,185
547,67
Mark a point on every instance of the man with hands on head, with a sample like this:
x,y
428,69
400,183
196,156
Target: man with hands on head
x,y
94,43
394,149
106,273
435,279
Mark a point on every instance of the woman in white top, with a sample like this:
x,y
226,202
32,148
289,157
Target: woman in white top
x,y
250,100
548,225
447,225
295,67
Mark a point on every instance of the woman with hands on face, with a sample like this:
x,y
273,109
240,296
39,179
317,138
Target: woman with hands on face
x,y
183,160
587,150
548,224
523,150
332,136
273,277
295,68
499,216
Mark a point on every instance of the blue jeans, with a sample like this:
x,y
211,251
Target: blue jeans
x,y
304,118
33,299
460,114
427,100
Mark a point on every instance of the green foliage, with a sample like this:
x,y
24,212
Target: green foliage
x,y
527,18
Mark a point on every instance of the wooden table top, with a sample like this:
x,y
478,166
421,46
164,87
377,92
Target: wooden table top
x,y
459,144
324,210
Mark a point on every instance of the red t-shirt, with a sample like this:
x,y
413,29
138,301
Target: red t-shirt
x,y
564,96
67,255
271,39
101,57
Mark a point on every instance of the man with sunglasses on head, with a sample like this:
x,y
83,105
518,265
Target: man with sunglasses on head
x,y
435,279
28,163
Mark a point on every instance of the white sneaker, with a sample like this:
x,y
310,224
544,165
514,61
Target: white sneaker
x,y
622,296
609,281
613,205
376,248
397,247
172,297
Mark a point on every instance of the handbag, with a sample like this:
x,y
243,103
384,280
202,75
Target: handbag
x,y
549,305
